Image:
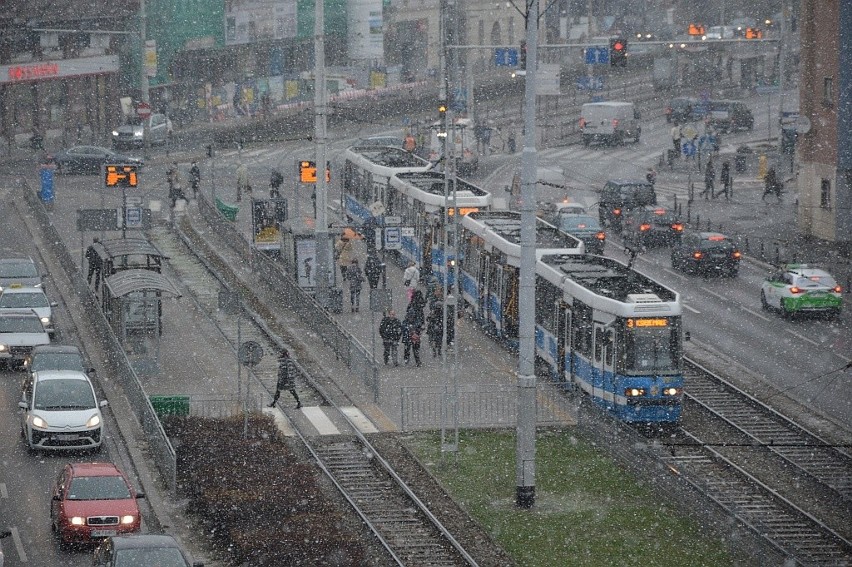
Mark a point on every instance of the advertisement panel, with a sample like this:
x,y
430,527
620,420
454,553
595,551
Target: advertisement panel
x,y
250,21
266,218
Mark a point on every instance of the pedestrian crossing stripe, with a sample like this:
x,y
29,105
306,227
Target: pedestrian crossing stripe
x,y
281,422
362,423
320,421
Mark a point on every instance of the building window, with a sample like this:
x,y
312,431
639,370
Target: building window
x,y
828,91
825,194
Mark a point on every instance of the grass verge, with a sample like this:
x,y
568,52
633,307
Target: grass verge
x,y
588,511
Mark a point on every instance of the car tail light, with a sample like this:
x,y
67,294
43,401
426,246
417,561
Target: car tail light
x,y
836,289
677,227
794,290
616,212
602,236
737,255
644,227
697,255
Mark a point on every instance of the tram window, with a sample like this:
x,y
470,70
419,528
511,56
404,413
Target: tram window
x,y
609,347
583,329
650,350
599,344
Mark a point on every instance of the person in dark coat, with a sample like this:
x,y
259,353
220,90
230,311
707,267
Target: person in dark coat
x,y
412,326
709,180
390,329
355,277
415,308
373,270
275,182
95,263
286,379
771,185
434,330
726,180
195,179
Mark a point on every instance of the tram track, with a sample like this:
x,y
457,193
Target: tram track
x,y
783,482
402,523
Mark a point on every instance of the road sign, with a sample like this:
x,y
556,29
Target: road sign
x,y
250,353
133,217
143,109
407,231
505,57
596,55
393,238
389,220
590,83
97,219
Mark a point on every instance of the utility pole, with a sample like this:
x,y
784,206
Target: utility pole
x,y
782,40
143,76
321,188
525,442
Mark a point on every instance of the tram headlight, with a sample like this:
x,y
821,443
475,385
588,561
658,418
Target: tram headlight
x,y
634,392
671,391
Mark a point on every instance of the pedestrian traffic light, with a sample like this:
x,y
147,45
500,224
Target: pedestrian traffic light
x,y
753,33
442,108
618,52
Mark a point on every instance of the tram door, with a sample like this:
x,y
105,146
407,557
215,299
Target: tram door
x,y
426,260
604,356
510,302
491,276
564,368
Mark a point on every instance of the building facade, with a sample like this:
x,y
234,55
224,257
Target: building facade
x,y
825,99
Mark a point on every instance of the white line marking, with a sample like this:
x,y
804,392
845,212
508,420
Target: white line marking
x,y
19,545
4,493
804,338
755,313
320,421
281,421
685,306
361,421
714,294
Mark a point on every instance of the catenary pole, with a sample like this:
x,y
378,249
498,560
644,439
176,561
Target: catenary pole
x,y
321,188
525,442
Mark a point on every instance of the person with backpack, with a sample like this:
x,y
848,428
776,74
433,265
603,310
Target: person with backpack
x,y
390,330
411,329
355,277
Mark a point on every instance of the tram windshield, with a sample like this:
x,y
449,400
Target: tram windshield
x,y
652,349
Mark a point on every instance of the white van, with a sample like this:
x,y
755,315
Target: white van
x,y
465,151
609,122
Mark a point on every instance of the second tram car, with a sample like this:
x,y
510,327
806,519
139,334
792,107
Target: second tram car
x,y
612,332
489,275
418,199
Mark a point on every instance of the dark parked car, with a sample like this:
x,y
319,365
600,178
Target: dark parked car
x,y
706,253
89,159
586,228
651,225
620,195
56,357
141,550
730,115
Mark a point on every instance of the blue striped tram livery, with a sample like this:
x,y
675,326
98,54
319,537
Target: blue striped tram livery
x,y
367,171
612,332
418,199
490,250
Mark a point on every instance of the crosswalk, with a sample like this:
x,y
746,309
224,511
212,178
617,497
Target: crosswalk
x,y
324,420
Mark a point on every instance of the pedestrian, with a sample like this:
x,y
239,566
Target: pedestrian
x,y
486,139
175,185
276,179
676,136
409,144
390,330
726,180
436,296
709,179
434,328
286,379
344,250
195,179
410,277
355,277
373,270
651,176
771,185
411,329
511,141
414,311
243,185
95,262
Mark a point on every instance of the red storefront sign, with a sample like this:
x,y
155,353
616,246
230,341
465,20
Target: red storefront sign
x,y
31,71
46,70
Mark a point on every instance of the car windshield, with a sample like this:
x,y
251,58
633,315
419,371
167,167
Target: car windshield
x,y
21,325
717,245
22,269
57,361
814,280
18,300
57,395
99,488
662,216
160,556
639,193
578,222
134,121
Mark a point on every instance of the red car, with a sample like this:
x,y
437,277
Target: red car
x,y
91,501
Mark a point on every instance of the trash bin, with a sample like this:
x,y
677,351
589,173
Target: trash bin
x,y
741,158
46,192
170,405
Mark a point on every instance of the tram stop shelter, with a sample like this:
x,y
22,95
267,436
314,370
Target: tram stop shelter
x,y
132,302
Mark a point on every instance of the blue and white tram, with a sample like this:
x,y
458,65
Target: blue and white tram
x,y
367,171
490,248
418,199
614,333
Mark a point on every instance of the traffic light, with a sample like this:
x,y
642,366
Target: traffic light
x,y
523,53
618,52
753,33
442,108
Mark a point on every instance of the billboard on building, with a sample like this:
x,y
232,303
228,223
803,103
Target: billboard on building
x,y
249,21
365,30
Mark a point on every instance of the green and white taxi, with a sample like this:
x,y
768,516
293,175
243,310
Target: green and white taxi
x,y
797,288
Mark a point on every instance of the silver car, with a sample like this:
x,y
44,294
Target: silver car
x,y
132,133
29,298
19,271
21,331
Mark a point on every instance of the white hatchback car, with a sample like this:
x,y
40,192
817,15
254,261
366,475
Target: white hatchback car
x,y
797,288
60,411
29,298
21,331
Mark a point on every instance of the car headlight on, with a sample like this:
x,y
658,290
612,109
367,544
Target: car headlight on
x,y
671,391
77,520
45,320
115,133
39,422
3,348
634,392
128,519
137,134
94,421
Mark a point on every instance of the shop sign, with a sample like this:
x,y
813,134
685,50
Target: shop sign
x,y
41,70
